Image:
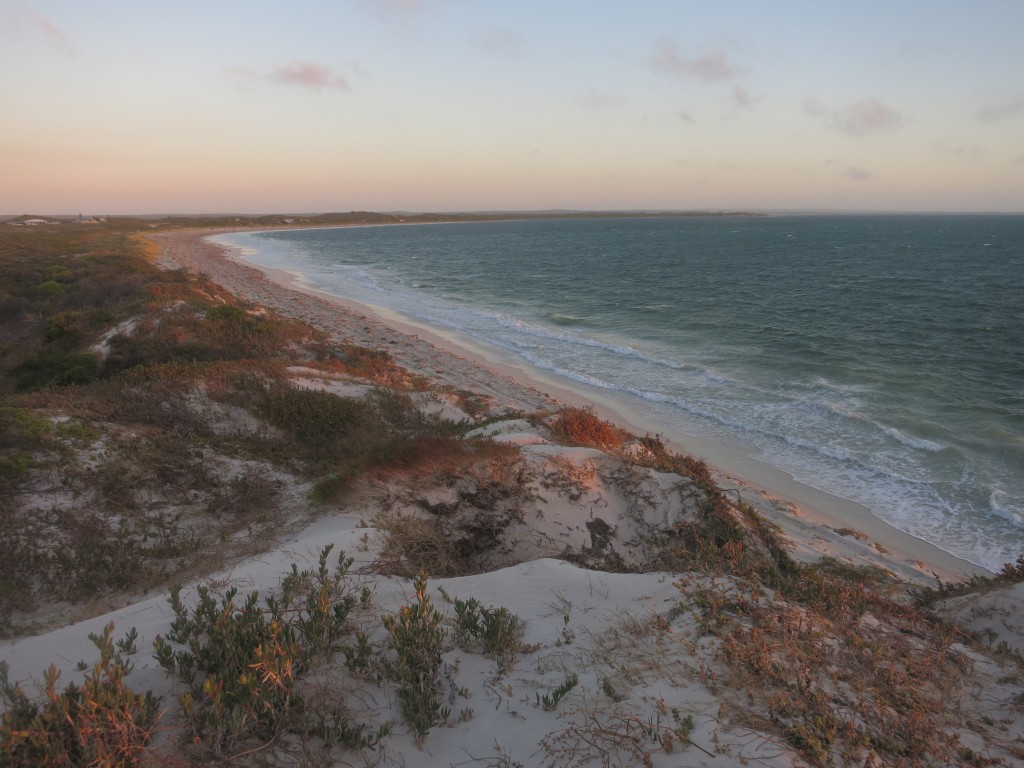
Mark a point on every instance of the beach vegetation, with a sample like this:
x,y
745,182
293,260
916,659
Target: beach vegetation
x,y
54,368
417,544
372,364
59,290
549,701
242,662
100,721
417,637
21,433
152,424
1009,574
319,427
838,663
486,491
478,406
580,426
497,632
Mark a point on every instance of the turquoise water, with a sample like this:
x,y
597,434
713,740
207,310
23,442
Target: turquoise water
x,y
877,358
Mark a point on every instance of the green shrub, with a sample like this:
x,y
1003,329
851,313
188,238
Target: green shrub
x,y
496,630
418,637
21,432
54,367
50,290
322,427
102,722
333,484
242,663
95,557
550,700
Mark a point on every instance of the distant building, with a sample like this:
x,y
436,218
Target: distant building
x,y
34,222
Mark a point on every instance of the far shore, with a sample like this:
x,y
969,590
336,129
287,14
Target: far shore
x,y
815,521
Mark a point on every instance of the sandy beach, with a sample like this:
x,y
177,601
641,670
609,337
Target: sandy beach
x,y
808,516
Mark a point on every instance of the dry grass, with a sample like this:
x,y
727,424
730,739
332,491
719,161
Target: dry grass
x,y
579,426
369,364
486,490
417,544
614,736
839,679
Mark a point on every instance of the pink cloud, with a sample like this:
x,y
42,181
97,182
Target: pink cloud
x,y
711,67
54,35
310,75
866,117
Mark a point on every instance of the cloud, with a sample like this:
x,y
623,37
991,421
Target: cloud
x,y
711,67
600,101
685,117
20,13
310,75
741,97
864,118
859,174
1001,110
303,74
499,40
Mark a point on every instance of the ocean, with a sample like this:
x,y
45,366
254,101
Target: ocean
x,y
878,358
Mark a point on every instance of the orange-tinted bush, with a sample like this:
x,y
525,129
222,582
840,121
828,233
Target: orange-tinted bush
x,y
582,427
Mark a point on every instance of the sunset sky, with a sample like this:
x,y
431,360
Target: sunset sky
x,y
137,106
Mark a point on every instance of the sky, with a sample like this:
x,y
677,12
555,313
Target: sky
x,y
138,106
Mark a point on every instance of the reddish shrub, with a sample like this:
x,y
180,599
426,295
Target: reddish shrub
x,y
582,427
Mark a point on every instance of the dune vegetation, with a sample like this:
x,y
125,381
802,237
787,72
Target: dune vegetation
x,y
156,431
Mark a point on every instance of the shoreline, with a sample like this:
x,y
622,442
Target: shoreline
x,y
818,523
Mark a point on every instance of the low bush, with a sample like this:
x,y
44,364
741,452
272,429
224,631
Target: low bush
x,y
54,367
581,427
21,433
101,722
374,364
322,428
550,700
243,663
417,635
497,631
